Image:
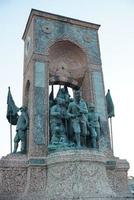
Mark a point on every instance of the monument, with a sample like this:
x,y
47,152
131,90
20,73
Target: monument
x,y
67,153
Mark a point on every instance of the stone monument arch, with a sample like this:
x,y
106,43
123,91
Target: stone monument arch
x,y
64,51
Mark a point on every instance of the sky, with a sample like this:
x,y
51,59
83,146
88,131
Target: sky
x,y
116,37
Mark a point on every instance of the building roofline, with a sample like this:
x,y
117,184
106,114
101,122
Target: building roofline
x,y
40,13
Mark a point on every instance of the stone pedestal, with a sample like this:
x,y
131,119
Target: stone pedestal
x,y
77,175
66,175
13,175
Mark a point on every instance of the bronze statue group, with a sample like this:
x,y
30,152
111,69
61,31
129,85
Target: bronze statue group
x,y
73,122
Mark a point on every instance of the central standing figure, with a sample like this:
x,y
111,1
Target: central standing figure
x,y
77,111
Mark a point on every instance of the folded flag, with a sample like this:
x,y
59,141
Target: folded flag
x,y
12,109
110,105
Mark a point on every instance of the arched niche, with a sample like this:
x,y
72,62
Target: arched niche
x,y
67,64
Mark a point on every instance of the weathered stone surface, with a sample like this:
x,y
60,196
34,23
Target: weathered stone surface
x,y
13,175
77,174
72,174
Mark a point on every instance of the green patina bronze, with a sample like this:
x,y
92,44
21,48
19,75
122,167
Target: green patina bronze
x,y
58,118
93,126
21,130
77,111
73,124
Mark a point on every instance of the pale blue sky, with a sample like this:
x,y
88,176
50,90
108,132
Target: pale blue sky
x,y
116,37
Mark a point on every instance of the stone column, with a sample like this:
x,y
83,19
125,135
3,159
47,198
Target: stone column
x,y
38,133
38,140
100,102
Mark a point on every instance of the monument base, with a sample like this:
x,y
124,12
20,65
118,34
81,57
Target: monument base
x,y
66,175
77,174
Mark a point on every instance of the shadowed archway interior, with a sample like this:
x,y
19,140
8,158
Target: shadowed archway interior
x,y
67,64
